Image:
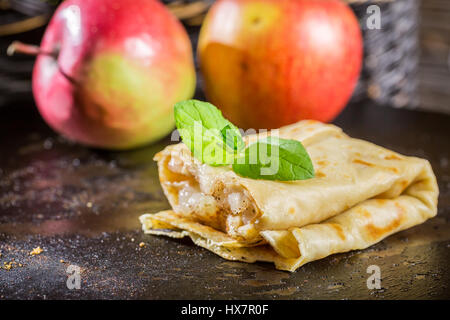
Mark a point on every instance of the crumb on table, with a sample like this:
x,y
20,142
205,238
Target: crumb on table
x,y
36,251
9,265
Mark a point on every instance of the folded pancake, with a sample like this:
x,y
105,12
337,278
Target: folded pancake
x,y
361,193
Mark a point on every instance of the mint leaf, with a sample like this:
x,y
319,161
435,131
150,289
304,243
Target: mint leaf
x,y
232,137
214,140
211,138
275,159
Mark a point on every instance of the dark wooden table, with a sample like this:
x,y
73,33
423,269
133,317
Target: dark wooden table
x,y
81,206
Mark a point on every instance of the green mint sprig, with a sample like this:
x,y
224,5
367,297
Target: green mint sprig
x,y
211,138
214,140
276,159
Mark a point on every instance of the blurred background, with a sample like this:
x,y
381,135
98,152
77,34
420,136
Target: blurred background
x,y
81,205
406,62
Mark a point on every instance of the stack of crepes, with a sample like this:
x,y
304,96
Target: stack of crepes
x,y
361,193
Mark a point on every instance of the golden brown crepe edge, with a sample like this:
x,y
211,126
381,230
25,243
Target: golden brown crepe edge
x,y
338,234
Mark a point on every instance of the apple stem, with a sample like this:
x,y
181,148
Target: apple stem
x,y
29,49
33,50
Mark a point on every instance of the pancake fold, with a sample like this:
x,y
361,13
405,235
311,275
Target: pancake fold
x,y
361,193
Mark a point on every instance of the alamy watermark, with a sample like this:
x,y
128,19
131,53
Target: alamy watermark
x,y
203,143
74,278
374,280
373,20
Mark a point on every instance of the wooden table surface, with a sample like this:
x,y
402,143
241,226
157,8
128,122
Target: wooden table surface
x,y
81,206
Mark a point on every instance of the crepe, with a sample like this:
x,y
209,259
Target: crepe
x,y
361,193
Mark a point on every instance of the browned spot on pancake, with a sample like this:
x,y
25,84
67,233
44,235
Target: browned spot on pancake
x,y
364,213
392,156
359,161
338,230
404,184
297,129
320,174
381,201
311,121
358,154
322,162
378,232
291,210
309,129
395,170
337,135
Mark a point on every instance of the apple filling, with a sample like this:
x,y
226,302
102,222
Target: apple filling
x,y
228,208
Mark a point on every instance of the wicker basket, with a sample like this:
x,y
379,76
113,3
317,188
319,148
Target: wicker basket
x,y
391,54
389,74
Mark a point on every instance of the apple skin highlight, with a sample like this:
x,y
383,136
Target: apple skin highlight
x,y
117,68
269,63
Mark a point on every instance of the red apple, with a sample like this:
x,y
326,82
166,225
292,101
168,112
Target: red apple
x,y
268,63
110,71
